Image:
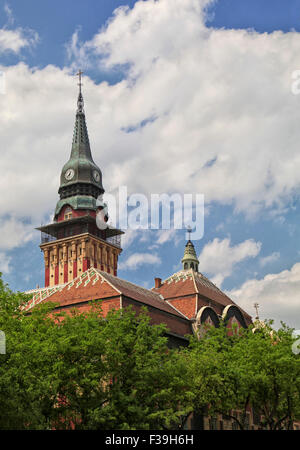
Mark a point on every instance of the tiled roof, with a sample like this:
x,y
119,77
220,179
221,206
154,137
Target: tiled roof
x,y
40,294
188,282
178,284
88,286
140,294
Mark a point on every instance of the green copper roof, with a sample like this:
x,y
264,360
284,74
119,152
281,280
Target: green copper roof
x,y
77,202
190,260
80,168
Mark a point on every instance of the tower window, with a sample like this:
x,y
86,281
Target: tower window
x,y
68,214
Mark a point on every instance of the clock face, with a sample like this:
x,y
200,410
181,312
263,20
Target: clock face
x,y
69,174
96,176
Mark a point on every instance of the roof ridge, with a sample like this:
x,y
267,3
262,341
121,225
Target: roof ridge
x,y
194,281
184,273
103,277
131,283
38,295
211,282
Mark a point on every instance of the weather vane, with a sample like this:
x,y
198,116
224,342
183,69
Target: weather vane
x,y
256,306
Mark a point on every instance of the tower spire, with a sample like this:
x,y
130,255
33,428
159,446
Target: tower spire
x,y
73,242
81,178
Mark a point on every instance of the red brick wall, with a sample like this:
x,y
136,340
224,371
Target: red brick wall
x,y
106,306
203,301
186,305
174,324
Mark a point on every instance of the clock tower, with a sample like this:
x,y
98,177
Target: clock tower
x,y
72,243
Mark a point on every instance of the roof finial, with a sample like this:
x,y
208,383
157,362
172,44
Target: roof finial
x,y
80,98
256,306
189,230
79,76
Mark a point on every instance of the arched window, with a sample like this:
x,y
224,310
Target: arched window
x,y
185,266
192,266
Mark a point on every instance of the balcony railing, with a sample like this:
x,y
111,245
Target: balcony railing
x,y
47,238
114,240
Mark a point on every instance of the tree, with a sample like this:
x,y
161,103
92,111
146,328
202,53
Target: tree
x,y
85,371
235,369
24,388
276,375
147,387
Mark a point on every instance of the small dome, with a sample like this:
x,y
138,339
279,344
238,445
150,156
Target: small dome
x,y
190,260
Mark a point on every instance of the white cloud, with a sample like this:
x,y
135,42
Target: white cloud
x,y
269,259
4,263
164,236
218,258
128,238
9,14
14,233
207,90
277,294
17,39
139,259
14,40
204,90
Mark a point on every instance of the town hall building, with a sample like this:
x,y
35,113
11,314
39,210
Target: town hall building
x,y
81,260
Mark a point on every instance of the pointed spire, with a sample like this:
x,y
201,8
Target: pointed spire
x,y
81,178
81,143
190,260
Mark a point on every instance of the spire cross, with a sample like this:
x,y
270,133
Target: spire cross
x,y
256,306
79,76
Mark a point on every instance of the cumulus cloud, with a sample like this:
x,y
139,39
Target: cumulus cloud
x,y
9,14
277,295
218,258
139,259
269,259
220,102
4,263
13,233
198,110
164,236
15,40
128,238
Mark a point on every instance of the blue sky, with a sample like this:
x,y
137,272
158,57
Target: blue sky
x,y
250,247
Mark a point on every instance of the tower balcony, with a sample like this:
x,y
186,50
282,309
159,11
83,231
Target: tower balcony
x,y
76,226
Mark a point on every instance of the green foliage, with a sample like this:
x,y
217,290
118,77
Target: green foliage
x,y
85,371
235,369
